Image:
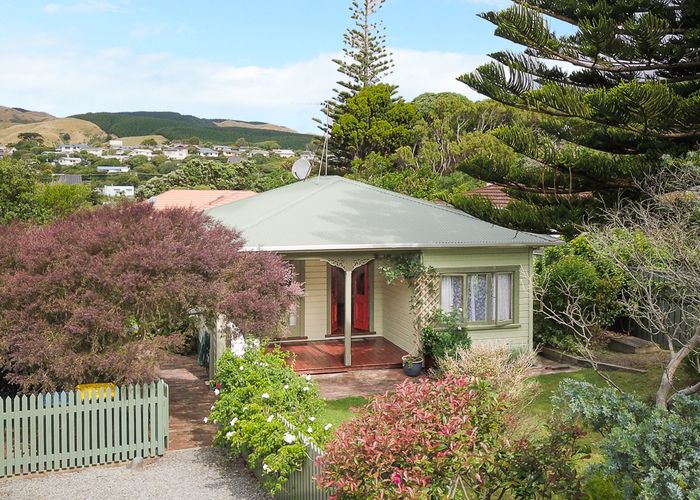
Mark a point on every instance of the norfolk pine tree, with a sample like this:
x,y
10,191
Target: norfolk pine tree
x,y
365,61
620,89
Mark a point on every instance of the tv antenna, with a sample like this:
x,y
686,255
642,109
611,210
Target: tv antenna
x,y
326,136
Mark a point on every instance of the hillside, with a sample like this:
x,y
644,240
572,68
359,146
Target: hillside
x,y
256,125
19,115
137,140
80,131
175,126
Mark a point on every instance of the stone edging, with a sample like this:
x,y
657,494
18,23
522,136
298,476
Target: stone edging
x,y
562,357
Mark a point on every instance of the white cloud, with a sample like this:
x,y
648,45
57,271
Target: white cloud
x,y
81,6
148,30
69,80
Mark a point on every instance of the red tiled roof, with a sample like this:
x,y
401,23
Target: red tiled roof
x,y
493,193
198,199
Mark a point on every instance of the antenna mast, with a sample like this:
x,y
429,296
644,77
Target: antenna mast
x,y
326,137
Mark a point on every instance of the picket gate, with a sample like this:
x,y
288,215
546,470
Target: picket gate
x,y
63,430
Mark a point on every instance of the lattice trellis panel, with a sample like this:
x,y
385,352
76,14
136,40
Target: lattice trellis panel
x,y
426,299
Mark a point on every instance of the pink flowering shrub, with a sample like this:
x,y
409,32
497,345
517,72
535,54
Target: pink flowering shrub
x,y
441,439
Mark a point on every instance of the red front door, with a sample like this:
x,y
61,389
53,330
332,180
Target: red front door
x,y
360,299
335,296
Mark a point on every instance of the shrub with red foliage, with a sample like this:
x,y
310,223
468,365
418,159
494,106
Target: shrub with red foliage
x,y
96,296
443,439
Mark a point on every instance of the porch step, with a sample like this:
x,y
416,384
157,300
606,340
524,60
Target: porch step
x,y
632,345
345,369
353,335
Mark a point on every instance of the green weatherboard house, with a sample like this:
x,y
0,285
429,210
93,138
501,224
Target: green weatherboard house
x,y
336,232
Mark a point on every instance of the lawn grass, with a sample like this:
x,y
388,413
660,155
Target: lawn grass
x,y
338,410
642,385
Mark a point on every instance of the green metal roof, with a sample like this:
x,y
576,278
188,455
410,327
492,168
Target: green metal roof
x,y
334,214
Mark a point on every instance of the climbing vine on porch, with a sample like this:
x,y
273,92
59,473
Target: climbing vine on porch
x,y
423,281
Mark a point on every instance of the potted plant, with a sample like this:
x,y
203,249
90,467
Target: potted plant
x,y
442,336
430,339
412,364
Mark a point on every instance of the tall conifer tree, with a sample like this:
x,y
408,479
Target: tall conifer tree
x,y
618,90
366,60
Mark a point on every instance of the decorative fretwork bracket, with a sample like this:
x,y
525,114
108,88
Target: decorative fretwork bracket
x,y
348,263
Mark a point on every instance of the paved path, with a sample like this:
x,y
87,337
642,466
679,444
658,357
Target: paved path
x,y
368,382
359,383
190,402
188,474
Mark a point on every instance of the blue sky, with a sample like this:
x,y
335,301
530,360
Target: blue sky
x,y
227,59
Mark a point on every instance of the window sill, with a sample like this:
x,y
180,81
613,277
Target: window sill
x,y
507,326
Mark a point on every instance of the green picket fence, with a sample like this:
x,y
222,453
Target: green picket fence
x,y
63,430
301,484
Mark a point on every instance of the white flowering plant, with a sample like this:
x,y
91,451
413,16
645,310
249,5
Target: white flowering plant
x,y
258,387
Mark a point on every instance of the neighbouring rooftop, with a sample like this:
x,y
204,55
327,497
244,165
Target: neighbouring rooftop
x,y
198,199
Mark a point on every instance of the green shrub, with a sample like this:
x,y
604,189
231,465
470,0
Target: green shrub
x,y
649,452
255,391
594,279
444,335
600,486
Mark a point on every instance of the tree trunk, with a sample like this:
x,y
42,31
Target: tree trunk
x,y
662,395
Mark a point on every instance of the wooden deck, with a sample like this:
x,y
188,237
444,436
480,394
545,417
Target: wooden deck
x,y
326,356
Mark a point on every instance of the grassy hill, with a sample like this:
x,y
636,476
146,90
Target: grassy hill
x,y
175,126
80,131
256,125
137,140
19,115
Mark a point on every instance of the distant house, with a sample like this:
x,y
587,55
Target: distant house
x,y
283,153
118,191
120,158
141,152
116,144
69,161
95,151
307,155
207,153
71,148
113,169
198,199
70,179
175,153
259,152
6,151
493,193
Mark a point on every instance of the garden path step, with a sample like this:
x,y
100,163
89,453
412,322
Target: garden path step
x,y
632,345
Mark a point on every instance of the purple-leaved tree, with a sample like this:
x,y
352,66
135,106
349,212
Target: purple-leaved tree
x,y
98,295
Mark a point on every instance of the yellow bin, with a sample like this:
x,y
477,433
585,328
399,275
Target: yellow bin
x,y
89,389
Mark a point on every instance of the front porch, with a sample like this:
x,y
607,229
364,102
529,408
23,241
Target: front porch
x,y
327,356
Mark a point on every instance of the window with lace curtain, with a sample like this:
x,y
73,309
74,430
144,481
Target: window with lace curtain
x,y
481,297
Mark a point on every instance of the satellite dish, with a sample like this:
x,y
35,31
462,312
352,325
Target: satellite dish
x,y
301,169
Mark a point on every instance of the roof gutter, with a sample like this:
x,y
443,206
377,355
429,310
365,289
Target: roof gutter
x,y
398,246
